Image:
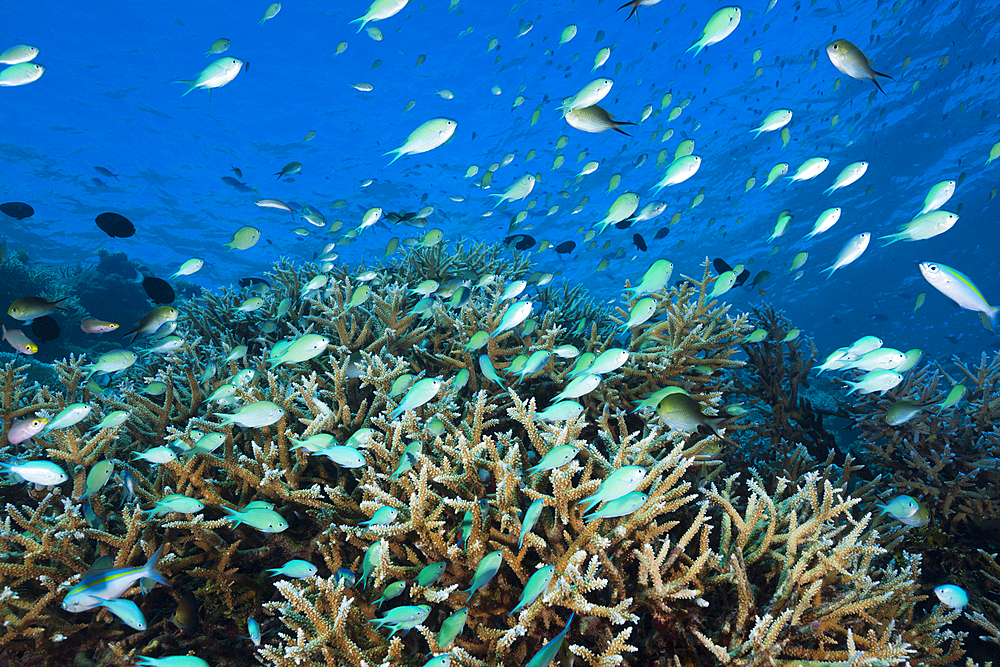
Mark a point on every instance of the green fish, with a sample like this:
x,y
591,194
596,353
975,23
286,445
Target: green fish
x,y
419,394
956,394
408,459
486,366
112,362
71,415
426,137
98,477
450,628
548,653
359,296
216,75
263,519
622,481
403,618
719,26
529,519
255,415
561,411
537,584
370,561
580,386
431,574
393,590
383,516
111,420
175,502
515,314
485,571
641,311
557,457
619,507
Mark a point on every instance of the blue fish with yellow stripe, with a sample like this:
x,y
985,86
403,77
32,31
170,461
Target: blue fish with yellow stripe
x,y
100,584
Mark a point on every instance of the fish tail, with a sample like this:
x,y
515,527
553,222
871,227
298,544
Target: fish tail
x,y
621,131
882,74
186,82
894,237
994,318
877,84
698,46
397,156
150,571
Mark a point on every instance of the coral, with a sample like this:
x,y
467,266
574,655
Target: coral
x,y
775,565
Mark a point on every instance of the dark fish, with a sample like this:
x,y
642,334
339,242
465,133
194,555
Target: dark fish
x,y
16,209
520,241
45,329
742,278
242,187
246,66
236,170
250,282
115,225
565,247
720,265
98,183
105,172
663,231
186,615
158,290
624,224
761,278
640,242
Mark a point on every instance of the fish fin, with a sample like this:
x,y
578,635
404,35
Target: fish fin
x,y
698,46
621,131
635,6
883,74
186,82
877,84
397,156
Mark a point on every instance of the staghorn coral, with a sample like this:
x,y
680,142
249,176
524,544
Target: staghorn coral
x,y
726,573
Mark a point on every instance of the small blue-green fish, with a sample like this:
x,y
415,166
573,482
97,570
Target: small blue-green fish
x,y
383,517
45,473
956,394
486,366
98,477
128,488
111,420
264,520
253,629
175,502
952,595
255,415
485,571
102,584
515,314
71,415
466,527
879,380
558,412
372,556
206,444
156,455
443,660
619,507
579,386
550,650
127,611
172,661
537,584
654,399
216,75
912,359
401,384
583,363
315,443
607,361
477,340
358,297
408,459
431,574
346,576
91,517
420,393
655,278
392,590
360,438
624,480
901,412
258,505
557,457
530,517
641,311
222,393
406,617
236,354
296,569
566,351
901,507
461,379
451,628
344,456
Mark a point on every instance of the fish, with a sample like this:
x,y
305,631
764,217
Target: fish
x,y
263,519
959,288
488,567
15,55
591,94
594,119
681,412
158,290
127,611
245,237
289,169
678,171
635,5
619,507
17,210
271,11
218,46
852,250
21,74
44,473
537,585
175,502
850,60
28,308
219,73
640,242
98,476
952,596
557,457
23,430
420,393
451,628
99,585
295,569
426,137
185,617
848,175
18,340
721,24
547,654
877,380
187,268
622,481
171,661
380,10
403,618
774,121
254,415
518,190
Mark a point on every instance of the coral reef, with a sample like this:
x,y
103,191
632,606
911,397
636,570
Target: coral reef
x,y
781,563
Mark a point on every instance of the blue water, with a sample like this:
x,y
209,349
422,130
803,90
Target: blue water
x,y
107,98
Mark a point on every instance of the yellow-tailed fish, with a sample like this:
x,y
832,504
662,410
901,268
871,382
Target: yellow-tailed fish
x,y
959,288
